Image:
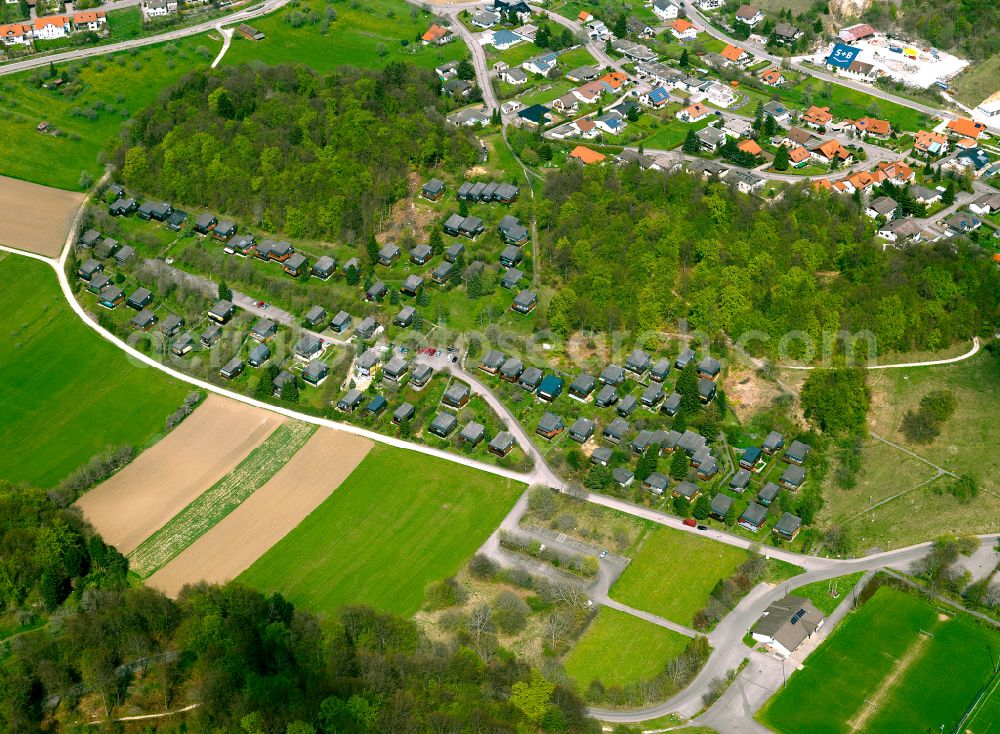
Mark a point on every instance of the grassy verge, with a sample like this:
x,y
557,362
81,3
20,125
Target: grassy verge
x,y
400,521
819,593
618,649
225,496
66,393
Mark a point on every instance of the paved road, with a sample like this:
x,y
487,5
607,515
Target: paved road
x,y
241,16
227,39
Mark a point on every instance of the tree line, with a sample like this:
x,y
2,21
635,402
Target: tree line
x,y
633,249
289,150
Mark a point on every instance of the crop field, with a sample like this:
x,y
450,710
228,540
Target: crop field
x,y
37,218
400,521
618,649
206,510
163,480
673,573
87,111
66,393
368,34
267,515
882,671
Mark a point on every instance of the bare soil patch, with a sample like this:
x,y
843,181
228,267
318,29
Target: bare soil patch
x,y
749,393
36,218
163,480
271,512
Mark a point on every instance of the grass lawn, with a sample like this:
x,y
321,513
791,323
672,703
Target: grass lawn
x,y
672,133
674,572
618,649
368,34
87,110
878,662
986,717
977,82
66,393
380,539
819,592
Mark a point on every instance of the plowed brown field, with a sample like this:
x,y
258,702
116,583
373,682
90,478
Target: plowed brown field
x,y
36,218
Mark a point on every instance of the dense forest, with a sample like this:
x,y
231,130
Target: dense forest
x,y
290,150
87,646
966,26
640,250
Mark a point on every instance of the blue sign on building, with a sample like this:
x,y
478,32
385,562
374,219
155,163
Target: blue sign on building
x,y
842,55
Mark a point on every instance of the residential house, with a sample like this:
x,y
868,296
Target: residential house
x,y
442,272
973,159
711,138
830,151
793,476
350,401
501,40
530,379
51,27
816,117
787,527
656,483
433,190
473,433
264,330
883,206
492,361
457,395
963,127
870,126
768,493
740,480
773,77
963,223
720,506
694,113
16,34
581,430
664,9
420,376
405,316
139,299
259,355
437,35
706,390
341,322
454,251
242,245
308,348
224,230
541,64
514,77
404,412
550,388
633,51
549,426
774,442
211,335
637,361
750,15
639,28
683,30
111,297
157,8
144,320
606,396
367,328
601,455
222,311
525,302
511,369
412,285
930,144
622,476
906,229
377,291
470,117
296,265
652,395
232,369
753,517
656,98
484,19
583,73
687,490
736,56
376,405
627,406
786,33
501,444
986,205
367,364
582,387
324,267
616,430
660,370
797,453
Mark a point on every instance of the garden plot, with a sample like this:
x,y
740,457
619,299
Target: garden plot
x,y
224,496
137,501
267,515
36,218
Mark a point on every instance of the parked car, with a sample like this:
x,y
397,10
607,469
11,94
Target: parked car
x,y
604,554
703,527
690,522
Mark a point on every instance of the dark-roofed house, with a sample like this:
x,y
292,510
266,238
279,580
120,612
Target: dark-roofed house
x,y
106,247
708,468
753,517
787,527
123,207
601,455
581,430
89,269
672,404
511,256
652,395
395,369
491,361
720,506
420,254
224,230
660,370
687,490
709,368
205,223
232,369
616,430
177,220
454,251
351,263
768,493
324,267
511,369
172,324
183,344
511,277
315,316
420,376
627,406
525,302
405,316
222,311
530,379
367,328
750,457
582,386
793,476
506,193
308,347
98,282
111,297
124,254
502,444
341,322
622,475
606,397
706,390
404,412
377,291
786,624
686,355
280,380
797,453
264,330
740,480
89,238
656,483
612,375
473,433
140,299
211,335
433,189
471,227
144,320
457,395
638,362
367,364
259,355
550,388
388,254
772,443
443,424
296,264
350,401
412,285
691,442
442,272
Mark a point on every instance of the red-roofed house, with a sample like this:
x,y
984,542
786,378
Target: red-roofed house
x,y
90,20
966,128
897,172
437,35
15,34
816,117
695,112
736,55
930,143
772,77
798,156
51,27
683,30
831,150
750,146
586,155
866,126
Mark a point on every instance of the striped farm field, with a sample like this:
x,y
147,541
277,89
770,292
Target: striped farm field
x,y
221,499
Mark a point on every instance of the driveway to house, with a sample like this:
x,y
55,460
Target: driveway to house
x,y
241,16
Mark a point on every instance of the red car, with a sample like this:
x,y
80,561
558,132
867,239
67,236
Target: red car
x,y
690,522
